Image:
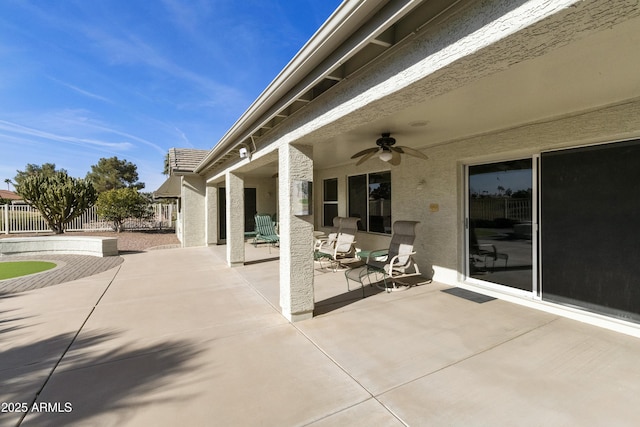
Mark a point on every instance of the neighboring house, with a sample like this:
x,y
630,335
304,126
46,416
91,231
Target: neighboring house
x,y
529,112
12,197
182,163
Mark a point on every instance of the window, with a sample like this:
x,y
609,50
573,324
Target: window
x,y
330,201
370,200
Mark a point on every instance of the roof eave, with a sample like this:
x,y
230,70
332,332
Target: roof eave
x,y
330,35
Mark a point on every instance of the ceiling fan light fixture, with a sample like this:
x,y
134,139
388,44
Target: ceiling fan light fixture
x,y
385,156
387,151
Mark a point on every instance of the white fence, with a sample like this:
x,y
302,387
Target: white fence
x,y
25,219
492,208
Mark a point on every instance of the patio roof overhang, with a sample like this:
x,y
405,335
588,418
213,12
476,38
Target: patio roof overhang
x,y
170,189
355,34
576,57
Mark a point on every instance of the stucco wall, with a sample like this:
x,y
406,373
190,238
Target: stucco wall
x,y
193,211
266,193
432,191
266,202
212,224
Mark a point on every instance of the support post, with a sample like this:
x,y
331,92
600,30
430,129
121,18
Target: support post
x,y
211,215
296,235
235,219
6,219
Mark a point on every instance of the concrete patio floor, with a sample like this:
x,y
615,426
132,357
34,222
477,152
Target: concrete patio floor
x,y
174,337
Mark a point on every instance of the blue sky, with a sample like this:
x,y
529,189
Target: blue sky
x,y
488,183
81,80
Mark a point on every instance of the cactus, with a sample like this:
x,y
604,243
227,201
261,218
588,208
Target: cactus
x,y
59,197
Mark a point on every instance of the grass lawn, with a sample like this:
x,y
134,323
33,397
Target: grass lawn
x,y
9,270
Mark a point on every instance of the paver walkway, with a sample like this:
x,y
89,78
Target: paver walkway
x,y
69,267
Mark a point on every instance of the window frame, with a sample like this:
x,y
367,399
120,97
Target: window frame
x,y
328,222
364,224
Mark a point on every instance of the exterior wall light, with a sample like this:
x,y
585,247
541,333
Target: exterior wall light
x,y
245,151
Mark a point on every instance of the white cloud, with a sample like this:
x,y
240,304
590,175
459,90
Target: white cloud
x,y
82,91
187,16
16,129
58,125
184,138
130,49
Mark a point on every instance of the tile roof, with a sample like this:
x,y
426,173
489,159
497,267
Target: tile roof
x,y
185,159
9,195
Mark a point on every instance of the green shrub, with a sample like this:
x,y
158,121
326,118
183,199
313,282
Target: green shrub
x,y
118,205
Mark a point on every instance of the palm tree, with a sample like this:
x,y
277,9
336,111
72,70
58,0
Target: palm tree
x,y
8,181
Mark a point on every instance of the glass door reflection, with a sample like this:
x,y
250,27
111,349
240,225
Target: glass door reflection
x,y
499,225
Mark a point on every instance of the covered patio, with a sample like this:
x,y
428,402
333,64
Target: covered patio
x,y
178,337
533,105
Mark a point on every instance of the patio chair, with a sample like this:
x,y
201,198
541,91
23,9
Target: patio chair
x,y
323,246
265,231
393,263
327,243
481,252
340,243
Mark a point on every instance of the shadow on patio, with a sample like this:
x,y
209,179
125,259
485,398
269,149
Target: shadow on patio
x,y
178,337
93,382
336,302
261,270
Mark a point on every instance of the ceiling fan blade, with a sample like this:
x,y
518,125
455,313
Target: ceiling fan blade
x,y
367,156
363,152
412,152
395,160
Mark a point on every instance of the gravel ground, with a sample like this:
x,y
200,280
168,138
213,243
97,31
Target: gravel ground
x,y
127,240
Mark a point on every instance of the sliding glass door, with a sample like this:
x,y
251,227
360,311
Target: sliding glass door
x,y
500,222
590,228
